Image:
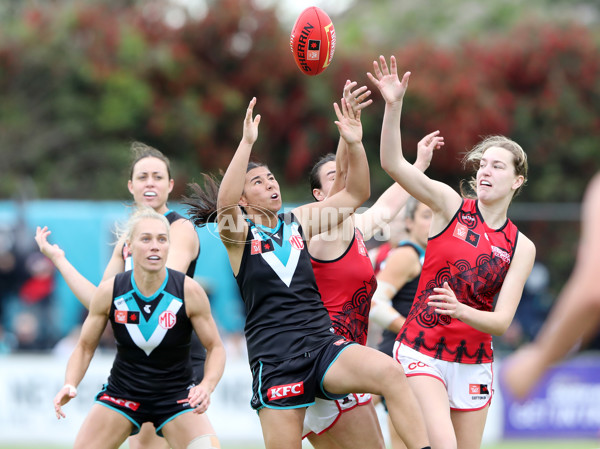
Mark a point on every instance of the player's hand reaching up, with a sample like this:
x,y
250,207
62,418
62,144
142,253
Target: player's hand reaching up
x,y
49,250
250,124
348,123
425,148
358,99
387,81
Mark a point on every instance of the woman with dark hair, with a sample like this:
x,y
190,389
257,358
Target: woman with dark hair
x,y
346,282
294,357
474,253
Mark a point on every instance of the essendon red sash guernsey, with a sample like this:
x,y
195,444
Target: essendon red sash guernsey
x,y
473,258
346,285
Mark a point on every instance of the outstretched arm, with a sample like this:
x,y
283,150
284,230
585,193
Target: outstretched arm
x,y
358,99
321,216
576,314
92,329
438,196
389,204
198,309
229,215
81,287
494,322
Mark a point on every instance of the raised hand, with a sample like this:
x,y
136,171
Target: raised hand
x,y
348,123
251,125
52,252
358,98
387,81
425,148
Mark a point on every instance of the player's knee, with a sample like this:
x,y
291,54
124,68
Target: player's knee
x,y
204,442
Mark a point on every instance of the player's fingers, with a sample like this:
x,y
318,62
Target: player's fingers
x,y
384,67
393,66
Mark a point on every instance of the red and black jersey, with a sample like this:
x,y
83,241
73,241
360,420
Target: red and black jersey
x,y
474,259
346,285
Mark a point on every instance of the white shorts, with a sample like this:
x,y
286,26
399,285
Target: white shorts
x,y
469,385
324,413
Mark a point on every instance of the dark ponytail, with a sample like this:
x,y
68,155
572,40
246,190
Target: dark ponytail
x,y
202,201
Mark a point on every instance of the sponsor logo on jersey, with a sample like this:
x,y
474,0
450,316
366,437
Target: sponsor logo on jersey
x,y
467,219
478,389
256,247
501,254
297,242
127,317
362,249
261,246
122,402
285,391
167,319
464,233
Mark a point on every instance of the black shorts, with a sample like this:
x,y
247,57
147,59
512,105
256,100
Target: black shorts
x,y
295,382
158,411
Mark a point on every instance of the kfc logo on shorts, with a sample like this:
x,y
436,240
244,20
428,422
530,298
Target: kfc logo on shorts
x,y
167,319
297,242
122,402
285,391
478,389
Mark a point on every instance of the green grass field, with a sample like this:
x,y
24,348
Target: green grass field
x,y
510,444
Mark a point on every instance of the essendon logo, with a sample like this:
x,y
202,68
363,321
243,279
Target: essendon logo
x,y
285,391
297,242
464,233
167,319
126,317
478,389
122,402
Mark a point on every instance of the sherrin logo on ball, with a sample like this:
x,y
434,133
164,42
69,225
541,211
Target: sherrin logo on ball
x,y
313,41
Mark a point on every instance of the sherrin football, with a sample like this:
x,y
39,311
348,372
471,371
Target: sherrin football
x,y
313,41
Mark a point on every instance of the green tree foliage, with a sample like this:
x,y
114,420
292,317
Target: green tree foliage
x,y
79,81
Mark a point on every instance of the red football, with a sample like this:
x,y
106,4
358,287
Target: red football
x,y
313,41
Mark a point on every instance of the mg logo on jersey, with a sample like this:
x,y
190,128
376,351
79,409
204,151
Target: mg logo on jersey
x,y
167,319
285,391
297,242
